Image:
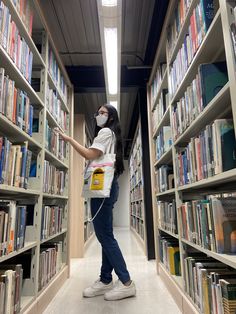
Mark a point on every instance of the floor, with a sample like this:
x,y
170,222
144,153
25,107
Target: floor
x,y
152,296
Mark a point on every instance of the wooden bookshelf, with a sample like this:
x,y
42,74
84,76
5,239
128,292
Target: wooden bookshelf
x,y
215,45
137,222
35,298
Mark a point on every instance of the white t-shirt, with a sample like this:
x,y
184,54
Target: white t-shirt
x,y
103,140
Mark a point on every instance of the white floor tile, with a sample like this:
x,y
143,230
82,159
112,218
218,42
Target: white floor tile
x,y
152,295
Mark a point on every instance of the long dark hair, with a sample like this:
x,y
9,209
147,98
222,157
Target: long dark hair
x,y
114,124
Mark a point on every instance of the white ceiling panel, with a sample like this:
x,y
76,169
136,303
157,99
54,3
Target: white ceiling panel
x,y
135,27
74,25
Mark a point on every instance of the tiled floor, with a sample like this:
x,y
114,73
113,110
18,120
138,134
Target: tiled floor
x,y
152,296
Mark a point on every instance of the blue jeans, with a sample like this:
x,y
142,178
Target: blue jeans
x,y
112,257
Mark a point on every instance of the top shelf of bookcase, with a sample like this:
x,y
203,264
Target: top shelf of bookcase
x,y
37,59
183,31
163,85
161,50
209,49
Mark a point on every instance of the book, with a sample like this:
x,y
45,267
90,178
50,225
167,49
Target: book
x,y
224,216
174,260
213,77
228,145
207,11
228,293
16,289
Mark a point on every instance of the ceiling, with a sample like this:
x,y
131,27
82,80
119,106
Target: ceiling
x,y
75,29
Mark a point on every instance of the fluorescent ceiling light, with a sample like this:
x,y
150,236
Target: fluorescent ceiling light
x,y
109,3
111,51
113,103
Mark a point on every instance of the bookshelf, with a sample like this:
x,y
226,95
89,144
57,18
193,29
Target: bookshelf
x,y
137,214
35,97
186,176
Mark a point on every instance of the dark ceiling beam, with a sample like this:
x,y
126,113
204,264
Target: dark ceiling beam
x,y
87,79
159,13
90,79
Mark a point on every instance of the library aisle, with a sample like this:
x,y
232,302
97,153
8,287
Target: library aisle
x,y
152,295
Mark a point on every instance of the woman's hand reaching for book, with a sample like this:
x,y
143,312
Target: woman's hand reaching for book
x,y
65,137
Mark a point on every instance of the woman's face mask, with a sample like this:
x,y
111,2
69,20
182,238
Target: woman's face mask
x,y
101,120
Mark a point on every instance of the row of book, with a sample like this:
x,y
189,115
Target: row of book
x,y
167,216
54,106
137,209
208,82
208,154
199,24
12,226
210,284
14,44
135,162
157,82
50,262
174,29
138,225
25,10
11,279
210,223
164,178
54,143
169,254
53,179
136,178
200,21
136,193
15,104
56,74
15,163
51,222
163,141
135,158
160,109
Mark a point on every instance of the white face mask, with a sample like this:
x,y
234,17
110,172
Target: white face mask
x,y
101,120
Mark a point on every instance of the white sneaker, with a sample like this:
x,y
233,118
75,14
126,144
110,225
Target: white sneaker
x,y
98,288
120,291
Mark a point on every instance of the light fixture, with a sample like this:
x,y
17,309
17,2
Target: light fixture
x,y
113,103
111,52
109,15
109,3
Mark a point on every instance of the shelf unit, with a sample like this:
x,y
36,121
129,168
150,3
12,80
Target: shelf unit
x,y
137,212
35,297
215,45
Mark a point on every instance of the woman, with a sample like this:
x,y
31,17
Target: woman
x,y
107,122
